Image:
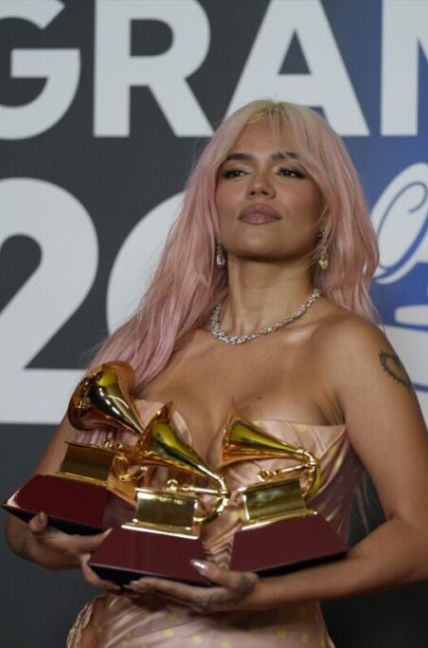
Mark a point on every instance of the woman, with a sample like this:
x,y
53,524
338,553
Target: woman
x,y
273,211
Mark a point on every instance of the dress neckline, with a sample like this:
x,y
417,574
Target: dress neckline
x,y
212,452
255,421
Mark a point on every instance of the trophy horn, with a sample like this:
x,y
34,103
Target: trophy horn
x,y
161,446
244,441
103,398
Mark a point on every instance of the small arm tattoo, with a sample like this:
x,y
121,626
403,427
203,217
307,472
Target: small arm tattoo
x,y
391,363
209,601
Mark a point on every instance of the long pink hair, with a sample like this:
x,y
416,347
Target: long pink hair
x,y
187,284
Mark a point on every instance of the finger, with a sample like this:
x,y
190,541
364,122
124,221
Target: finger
x,y
88,544
92,577
39,523
170,588
203,600
234,580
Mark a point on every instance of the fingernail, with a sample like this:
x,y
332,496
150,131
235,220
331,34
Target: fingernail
x,y
139,585
199,565
135,587
41,516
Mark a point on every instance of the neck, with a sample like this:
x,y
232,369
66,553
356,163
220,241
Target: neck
x,y
262,293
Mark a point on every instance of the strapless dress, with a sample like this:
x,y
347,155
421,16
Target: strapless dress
x,y
118,620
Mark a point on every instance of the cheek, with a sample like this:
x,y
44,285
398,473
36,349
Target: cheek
x,y
224,202
316,199
310,205
223,198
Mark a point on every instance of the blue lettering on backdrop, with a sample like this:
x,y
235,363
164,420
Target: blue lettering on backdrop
x,y
393,169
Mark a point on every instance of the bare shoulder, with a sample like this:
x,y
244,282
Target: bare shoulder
x,y
345,336
340,324
355,354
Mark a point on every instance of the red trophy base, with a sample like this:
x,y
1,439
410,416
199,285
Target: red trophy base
x,y
72,506
280,547
128,554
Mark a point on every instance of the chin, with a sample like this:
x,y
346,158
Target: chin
x,y
258,254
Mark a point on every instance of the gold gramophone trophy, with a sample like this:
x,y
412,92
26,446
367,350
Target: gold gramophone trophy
x,y
279,530
163,535
77,497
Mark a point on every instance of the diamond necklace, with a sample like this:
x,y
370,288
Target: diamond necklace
x,y
221,335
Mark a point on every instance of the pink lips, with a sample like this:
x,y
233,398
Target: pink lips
x,y
259,214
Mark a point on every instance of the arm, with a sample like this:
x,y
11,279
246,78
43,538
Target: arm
x,y
44,545
386,428
387,431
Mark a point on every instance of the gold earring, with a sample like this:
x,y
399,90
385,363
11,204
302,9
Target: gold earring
x,y
323,260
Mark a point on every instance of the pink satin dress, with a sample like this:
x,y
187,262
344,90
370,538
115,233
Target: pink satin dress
x,y
119,620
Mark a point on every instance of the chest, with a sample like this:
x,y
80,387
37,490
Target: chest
x,y
270,378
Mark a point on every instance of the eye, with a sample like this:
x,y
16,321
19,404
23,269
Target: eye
x,y
290,173
233,173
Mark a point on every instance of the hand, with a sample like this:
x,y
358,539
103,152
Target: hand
x,y
233,590
56,550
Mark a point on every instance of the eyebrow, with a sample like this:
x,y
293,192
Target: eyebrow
x,y
246,157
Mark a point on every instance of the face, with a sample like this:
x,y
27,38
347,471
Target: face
x,y
267,207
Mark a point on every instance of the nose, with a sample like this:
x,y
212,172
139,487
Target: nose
x,y
260,185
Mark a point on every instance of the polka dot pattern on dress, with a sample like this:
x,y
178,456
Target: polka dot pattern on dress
x,y
302,427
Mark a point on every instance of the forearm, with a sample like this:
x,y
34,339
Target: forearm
x,y
53,549
394,554
16,532
45,545
29,546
